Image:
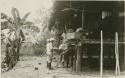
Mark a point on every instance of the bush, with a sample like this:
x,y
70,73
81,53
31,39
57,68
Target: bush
x,y
27,49
40,47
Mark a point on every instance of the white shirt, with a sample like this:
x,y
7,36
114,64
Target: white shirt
x,y
63,46
49,48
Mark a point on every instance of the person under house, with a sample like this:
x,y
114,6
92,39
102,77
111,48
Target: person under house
x,y
62,48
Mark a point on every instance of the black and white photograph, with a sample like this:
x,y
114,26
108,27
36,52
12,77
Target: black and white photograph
x,y
62,38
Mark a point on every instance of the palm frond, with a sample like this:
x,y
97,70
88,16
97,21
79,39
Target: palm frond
x,y
15,14
25,17
9,19
28,23
3,15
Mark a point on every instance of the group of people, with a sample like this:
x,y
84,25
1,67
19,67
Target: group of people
x,y
63,52
66,50
50,52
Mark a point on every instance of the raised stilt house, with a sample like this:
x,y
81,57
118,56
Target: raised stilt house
x,y
98,48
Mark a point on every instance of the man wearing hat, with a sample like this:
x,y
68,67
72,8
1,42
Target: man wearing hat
x,y
49,52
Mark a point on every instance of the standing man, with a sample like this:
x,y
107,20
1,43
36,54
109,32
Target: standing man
x,y
63,47
49,52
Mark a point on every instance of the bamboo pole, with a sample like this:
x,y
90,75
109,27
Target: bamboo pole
x,y
124,47
70,4
101,56
117,55
83,19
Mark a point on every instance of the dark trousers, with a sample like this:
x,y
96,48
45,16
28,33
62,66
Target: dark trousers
x,y
48,65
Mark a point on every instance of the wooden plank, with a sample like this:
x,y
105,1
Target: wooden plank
x,y
98,42
91,41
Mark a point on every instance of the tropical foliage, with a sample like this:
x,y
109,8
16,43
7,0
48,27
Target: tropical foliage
x,y
13,37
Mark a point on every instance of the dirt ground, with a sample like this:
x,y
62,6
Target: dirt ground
x,y
25,68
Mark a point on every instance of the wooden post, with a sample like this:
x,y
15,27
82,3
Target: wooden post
x,y
74,63
83,19
124,48
123,66
117,54
115,57
70,4
0,52
122,51
74,58
70,61
78,60
101,55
